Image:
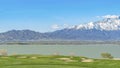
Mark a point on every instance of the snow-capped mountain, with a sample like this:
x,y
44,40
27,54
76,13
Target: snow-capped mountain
x,y
105,29
108,23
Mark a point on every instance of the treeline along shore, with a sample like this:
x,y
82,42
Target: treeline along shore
x,y
58,42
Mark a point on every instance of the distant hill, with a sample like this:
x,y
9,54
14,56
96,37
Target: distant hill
x,y
21,35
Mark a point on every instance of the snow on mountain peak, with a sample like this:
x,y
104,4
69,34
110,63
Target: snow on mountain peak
x,y
110,22
111,16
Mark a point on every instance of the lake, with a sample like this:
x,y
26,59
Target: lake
x,y
91,50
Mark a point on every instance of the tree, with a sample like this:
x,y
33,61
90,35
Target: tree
x,y
107,55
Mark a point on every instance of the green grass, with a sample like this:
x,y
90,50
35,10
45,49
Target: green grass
x,y
54,62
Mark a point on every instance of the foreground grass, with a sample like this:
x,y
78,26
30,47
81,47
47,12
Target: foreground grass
x,y
39,61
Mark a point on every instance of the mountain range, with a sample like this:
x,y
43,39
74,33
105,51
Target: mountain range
x,y
107,29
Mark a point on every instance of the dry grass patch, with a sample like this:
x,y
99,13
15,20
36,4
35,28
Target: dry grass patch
x,y
66,59
87,60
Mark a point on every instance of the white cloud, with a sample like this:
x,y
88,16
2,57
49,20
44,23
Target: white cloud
x,y
111,16
55,26
65,25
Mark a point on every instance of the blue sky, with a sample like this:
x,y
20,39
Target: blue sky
x,y
41,15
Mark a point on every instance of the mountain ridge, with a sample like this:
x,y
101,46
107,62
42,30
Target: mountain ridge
x,y
104,30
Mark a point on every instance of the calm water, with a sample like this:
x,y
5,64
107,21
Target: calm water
x,y
92,50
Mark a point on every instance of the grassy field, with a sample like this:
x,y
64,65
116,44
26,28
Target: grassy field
x,y
40,61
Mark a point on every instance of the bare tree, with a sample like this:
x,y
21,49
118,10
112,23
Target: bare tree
x,y
3,52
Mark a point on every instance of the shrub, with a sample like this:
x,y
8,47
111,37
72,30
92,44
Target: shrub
x,y
107,55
